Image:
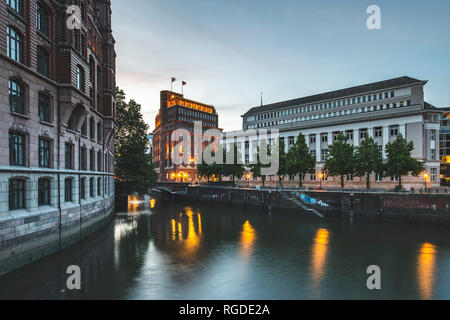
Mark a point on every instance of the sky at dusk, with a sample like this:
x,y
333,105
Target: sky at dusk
x,y
228,51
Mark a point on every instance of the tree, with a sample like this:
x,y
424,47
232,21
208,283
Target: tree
x,y
134,168
282,169
340,160
236,169
368,159
399,161
256,168
299,159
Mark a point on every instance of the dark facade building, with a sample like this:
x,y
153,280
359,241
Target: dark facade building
x,y
177,112
445,146
57,115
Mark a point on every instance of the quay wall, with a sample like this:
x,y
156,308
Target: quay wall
x,y
417,208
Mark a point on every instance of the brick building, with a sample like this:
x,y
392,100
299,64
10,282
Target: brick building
x,y
57,115
177,112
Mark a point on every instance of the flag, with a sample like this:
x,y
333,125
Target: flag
x,y
183,83
173,80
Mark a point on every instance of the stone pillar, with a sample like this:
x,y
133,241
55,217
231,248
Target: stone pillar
x,y
31,194
318,149
402,130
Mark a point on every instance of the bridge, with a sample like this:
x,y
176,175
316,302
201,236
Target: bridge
x,y
169,190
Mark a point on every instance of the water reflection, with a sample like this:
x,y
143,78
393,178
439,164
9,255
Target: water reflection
x,y
186,231
319,255
248,237
426,270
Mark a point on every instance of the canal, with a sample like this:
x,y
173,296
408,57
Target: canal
x,y
179,251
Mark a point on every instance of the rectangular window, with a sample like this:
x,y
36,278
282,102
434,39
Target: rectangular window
x,y
349,135
44,153
378,177
68,190
92,160
91,187
68,155
324,137
394,131
99,187
44,107
312,138
16,97
324,154
43,62
378,132
16,5
83,159
433,154
16,194
433,135
363,134
16,149
83,189
433,174
44,192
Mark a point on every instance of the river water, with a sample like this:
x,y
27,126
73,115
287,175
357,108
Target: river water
x,y
179,251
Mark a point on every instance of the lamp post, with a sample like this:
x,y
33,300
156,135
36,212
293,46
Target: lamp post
x,y
425,176
320,179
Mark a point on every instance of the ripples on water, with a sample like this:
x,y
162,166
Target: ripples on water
x,y
171,251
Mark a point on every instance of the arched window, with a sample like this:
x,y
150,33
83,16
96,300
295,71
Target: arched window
x,y
14,45
16,5
43,61
42,20
16,96
99,187
80,78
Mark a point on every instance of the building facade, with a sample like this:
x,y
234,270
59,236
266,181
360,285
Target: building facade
x,y
177,112
57,116
380,110
445,146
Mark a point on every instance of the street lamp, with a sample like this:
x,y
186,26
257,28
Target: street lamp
x,y
320,179
425,176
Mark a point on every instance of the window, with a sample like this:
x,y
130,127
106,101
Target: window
x,y
16,97
68,190
378,177
394,131
43,62
433,174
44,153
92,128
16,149
349,135
14,45
433,154
106,186
312,138
16,194
44,107
44,192
324,137
83,189
363,134
324,154
68,156
83,159
91,187
99,161
378,132
84,128
92,160
80,78
433,135
99,132
99,187
350,177
42,20
16,5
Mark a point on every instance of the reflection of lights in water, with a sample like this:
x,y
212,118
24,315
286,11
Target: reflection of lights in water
x,y
133,204
191,242
248,237
123,228
152,204
319,254
425,269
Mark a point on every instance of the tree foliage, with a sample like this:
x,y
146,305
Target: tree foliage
x,y
299,160
368,159
340,160
134,168
399,160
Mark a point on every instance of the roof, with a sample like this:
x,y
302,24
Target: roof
x,y
431,107
375,86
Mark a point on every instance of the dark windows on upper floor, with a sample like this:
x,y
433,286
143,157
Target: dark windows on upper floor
x,y
14,45
68,156
43,62
16,96
42,19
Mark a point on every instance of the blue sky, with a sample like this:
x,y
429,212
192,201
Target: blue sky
x,y
230,50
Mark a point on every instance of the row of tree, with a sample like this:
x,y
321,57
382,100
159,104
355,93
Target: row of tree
x,y
344,159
